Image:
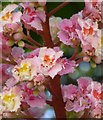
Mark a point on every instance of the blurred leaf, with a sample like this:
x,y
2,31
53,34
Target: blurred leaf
x,y
36,37
68,50
67,11
71,115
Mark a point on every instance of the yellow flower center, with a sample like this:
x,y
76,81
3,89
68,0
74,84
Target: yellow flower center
x,y
8,98
24,68
7,16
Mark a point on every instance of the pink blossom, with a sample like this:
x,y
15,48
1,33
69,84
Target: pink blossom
x,y
96,92
33,100
69,92
11,82
48,59
26,70
43,62
89,33
90,37
76,101
32,53
87,95
10,28
39,79
67,27
68,66
11,99
97,112
84,82
81,104
92,10
17,53
32,17
3,44
5,74
8,16
78,105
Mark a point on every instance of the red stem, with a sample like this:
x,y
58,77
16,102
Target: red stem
x,y
57,8
29,46
53,85
57,100
79,61
10,61
46,34
86,114
5,61
74,54
33,41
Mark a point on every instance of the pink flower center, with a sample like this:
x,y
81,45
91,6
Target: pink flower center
x,y
30,11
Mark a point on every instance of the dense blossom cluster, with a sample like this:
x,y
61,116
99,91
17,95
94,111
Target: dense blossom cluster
x,y
83,27
25,75
86,96
33,17
46,63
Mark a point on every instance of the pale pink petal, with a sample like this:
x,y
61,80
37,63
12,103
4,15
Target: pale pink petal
x,y
69,91
54,70
16,16
36,23
17,52
42,15
11,82
84,82
9,8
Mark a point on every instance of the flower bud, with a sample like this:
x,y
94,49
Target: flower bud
x,y
17,36
86,59
30,85
40,9
41,88
36,92
93,64
21,43
10,43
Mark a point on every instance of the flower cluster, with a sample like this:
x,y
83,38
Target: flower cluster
x,y
10,99
82,29
15,98
9,16
88,95
67,33
33,17
30,68
47,62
